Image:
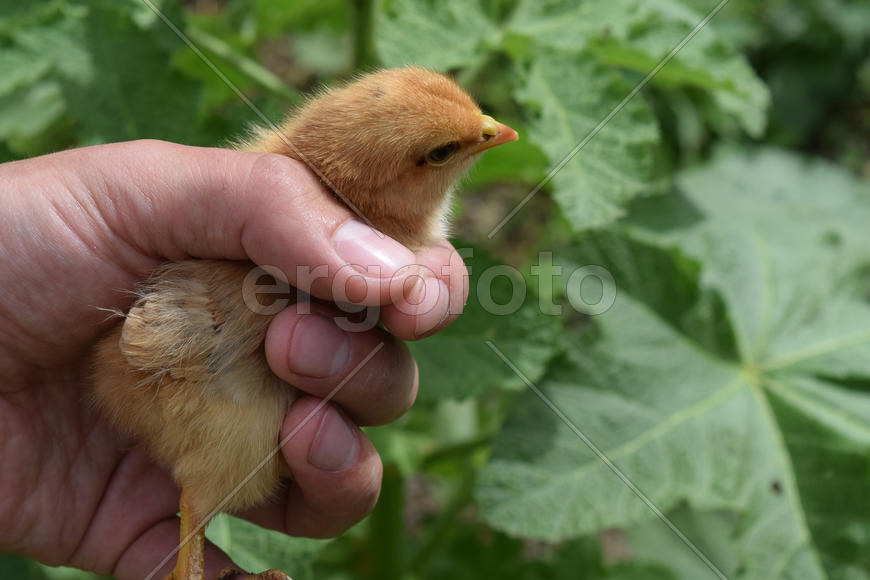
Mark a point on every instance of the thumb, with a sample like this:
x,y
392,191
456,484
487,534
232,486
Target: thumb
x,y
173,202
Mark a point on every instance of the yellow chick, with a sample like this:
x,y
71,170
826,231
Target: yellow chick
x,y
185,372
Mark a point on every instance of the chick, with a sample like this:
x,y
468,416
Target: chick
x,y
185,371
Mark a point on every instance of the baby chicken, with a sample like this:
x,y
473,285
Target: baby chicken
x,y
185,371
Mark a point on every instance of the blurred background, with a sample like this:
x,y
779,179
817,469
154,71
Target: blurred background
x,y
715,421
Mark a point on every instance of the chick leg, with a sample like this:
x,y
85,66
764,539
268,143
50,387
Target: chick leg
x,y
190,563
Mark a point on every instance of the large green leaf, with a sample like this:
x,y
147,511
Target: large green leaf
x,y
638,34
785,243
441,35
572,97
775,430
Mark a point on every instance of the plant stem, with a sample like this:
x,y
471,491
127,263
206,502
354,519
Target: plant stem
x,y
442,527
252,69
363,33
457,451
386,527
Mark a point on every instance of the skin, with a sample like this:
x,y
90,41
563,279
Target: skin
x,y
79,229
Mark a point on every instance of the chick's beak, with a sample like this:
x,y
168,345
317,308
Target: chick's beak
x,y
494,133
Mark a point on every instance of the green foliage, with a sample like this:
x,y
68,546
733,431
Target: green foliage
x,y
572,64
438,35
728,383
748,434
617,164
254,548
500,308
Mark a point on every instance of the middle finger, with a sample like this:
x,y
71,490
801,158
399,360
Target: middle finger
x,y
308,349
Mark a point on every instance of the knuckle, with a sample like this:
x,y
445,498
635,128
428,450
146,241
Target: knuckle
x,y
156,144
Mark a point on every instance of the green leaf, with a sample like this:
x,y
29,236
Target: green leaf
x,y
456,363
133,91
441,35
42,46
772,433
572,97
20,68
637,34
59,41
30,110
712,532
782,240
256,549
570,26
277,17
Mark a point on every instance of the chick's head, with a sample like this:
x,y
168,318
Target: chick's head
x,y
392,145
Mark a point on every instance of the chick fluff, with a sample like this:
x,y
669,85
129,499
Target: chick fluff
x,y
185,373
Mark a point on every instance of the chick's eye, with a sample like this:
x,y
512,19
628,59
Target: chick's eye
x,y
441,155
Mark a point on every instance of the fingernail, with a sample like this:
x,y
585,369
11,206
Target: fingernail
x,y
318,348
361,245
335,446
433,300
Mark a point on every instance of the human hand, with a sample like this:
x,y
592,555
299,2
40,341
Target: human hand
x,y
80,228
